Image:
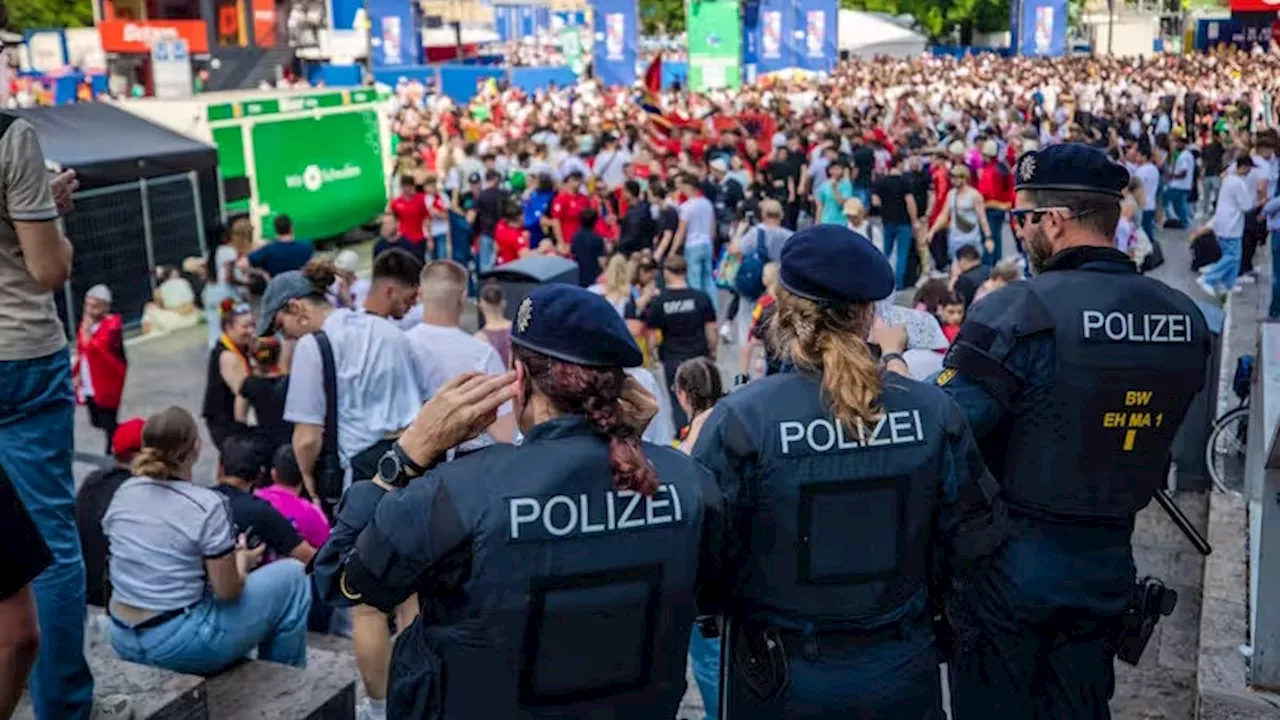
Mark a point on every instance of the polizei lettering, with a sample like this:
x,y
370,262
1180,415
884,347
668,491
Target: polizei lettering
x,y
585,514
900,427
1136,327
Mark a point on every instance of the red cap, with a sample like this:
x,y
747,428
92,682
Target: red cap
x,y
128,437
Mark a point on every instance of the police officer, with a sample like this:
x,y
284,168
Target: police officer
x,y
555,578
1074,382
848,491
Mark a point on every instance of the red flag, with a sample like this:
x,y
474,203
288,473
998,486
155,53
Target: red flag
x,y
653,79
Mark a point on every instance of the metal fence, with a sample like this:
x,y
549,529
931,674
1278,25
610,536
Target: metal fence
x,y
122,233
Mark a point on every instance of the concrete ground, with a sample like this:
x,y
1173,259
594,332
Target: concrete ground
x,y
170,370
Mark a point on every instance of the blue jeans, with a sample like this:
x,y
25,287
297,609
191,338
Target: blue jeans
x,y
37,416
897,247
704,657
1149,224
995,220
270,614
488,254
701,273
442,247
1223,273
1177,198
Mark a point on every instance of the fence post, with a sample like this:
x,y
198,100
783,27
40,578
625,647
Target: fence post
x,y
148,241
67,295
199,203
222,199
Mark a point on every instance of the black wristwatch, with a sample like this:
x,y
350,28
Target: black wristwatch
x,y
890,357
396,468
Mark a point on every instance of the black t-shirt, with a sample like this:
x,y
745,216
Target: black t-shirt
x,y
668,219
488,210
638,228
587,248
682,315
775,180
969,281
864,159
893,191
91,505
1211,158
266,395
23,554
252,513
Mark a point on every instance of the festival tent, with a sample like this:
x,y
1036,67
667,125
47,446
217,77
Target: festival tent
x,y
863,34
147,196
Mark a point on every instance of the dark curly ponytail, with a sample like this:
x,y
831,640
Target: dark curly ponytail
x,y
595,393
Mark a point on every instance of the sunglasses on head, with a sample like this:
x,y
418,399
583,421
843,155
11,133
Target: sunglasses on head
x,y
1019,218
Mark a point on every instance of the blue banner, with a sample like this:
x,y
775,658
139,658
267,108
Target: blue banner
x,y
783,34
541,19
615,46
1039,27
815,44
525,22
394,34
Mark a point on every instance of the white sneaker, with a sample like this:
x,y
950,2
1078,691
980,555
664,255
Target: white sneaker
x,y
366,711
1204,269
1237,289
1248,279
726,332
1206,288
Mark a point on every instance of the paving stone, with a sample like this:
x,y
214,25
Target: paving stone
x,y
255,690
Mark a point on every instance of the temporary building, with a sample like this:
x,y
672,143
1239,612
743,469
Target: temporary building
x,y
865,35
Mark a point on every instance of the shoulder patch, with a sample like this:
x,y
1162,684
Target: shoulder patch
x,y
945,376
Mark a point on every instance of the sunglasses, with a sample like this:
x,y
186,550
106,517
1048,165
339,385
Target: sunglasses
x,y
1019,218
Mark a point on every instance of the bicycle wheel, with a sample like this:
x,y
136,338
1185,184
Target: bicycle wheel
x,y
1224,453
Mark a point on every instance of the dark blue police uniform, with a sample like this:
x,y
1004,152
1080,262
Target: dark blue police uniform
x,y
837,534
1074,382
544,591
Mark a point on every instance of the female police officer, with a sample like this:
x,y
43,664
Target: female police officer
x,y
557,578
848,493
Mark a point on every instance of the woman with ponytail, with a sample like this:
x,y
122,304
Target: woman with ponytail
x,y
562,571
186,593
845,486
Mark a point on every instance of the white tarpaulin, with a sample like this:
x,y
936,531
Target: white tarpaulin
x,y
868,35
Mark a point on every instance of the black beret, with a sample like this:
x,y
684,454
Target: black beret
x,y
831,263
574,325
1072,167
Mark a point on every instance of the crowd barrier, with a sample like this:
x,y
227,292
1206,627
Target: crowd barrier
x,y
122,233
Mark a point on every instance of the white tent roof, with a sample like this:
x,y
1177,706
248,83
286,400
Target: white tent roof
x,y
865,34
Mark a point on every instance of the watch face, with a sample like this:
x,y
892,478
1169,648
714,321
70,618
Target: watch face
x,y
389,467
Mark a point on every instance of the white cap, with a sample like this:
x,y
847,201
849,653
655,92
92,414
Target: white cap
x,y
99,292
347,260
956,148
990,149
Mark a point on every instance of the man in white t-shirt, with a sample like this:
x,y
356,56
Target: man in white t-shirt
x,y
695,236
1180,180
1234,200
1149,175
445,350
611,162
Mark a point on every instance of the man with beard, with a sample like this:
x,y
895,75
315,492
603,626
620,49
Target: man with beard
x,y
1120,356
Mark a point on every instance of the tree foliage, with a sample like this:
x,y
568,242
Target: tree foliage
x,y
35,14
939,18
661,16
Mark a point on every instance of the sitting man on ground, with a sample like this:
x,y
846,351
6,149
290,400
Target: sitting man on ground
x,y
172,306
252,516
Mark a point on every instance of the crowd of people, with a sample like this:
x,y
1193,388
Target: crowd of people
x,y
677,212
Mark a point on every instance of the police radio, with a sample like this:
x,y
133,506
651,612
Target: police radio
x,y
1151,601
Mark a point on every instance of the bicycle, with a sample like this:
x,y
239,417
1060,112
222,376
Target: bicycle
x,y
1224,452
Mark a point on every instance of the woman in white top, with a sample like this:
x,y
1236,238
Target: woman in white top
x,y
964,215
221,270
616,287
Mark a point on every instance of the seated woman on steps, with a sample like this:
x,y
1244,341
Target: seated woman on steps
x,y
185,595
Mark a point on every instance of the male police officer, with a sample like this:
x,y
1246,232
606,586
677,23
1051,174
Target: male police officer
x,y
557,578
849,492
1075,383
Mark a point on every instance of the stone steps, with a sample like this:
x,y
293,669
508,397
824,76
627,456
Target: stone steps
x,y
250,690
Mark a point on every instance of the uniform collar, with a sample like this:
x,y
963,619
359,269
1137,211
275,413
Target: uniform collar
x,y
561,427
1098,259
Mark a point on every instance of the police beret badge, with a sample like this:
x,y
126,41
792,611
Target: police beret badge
x,y
1027,169
524,315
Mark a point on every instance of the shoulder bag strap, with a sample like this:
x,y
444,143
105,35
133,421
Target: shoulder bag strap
x,y
330,372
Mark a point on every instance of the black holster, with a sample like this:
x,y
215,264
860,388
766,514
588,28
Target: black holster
x,y
1151,601
760,661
